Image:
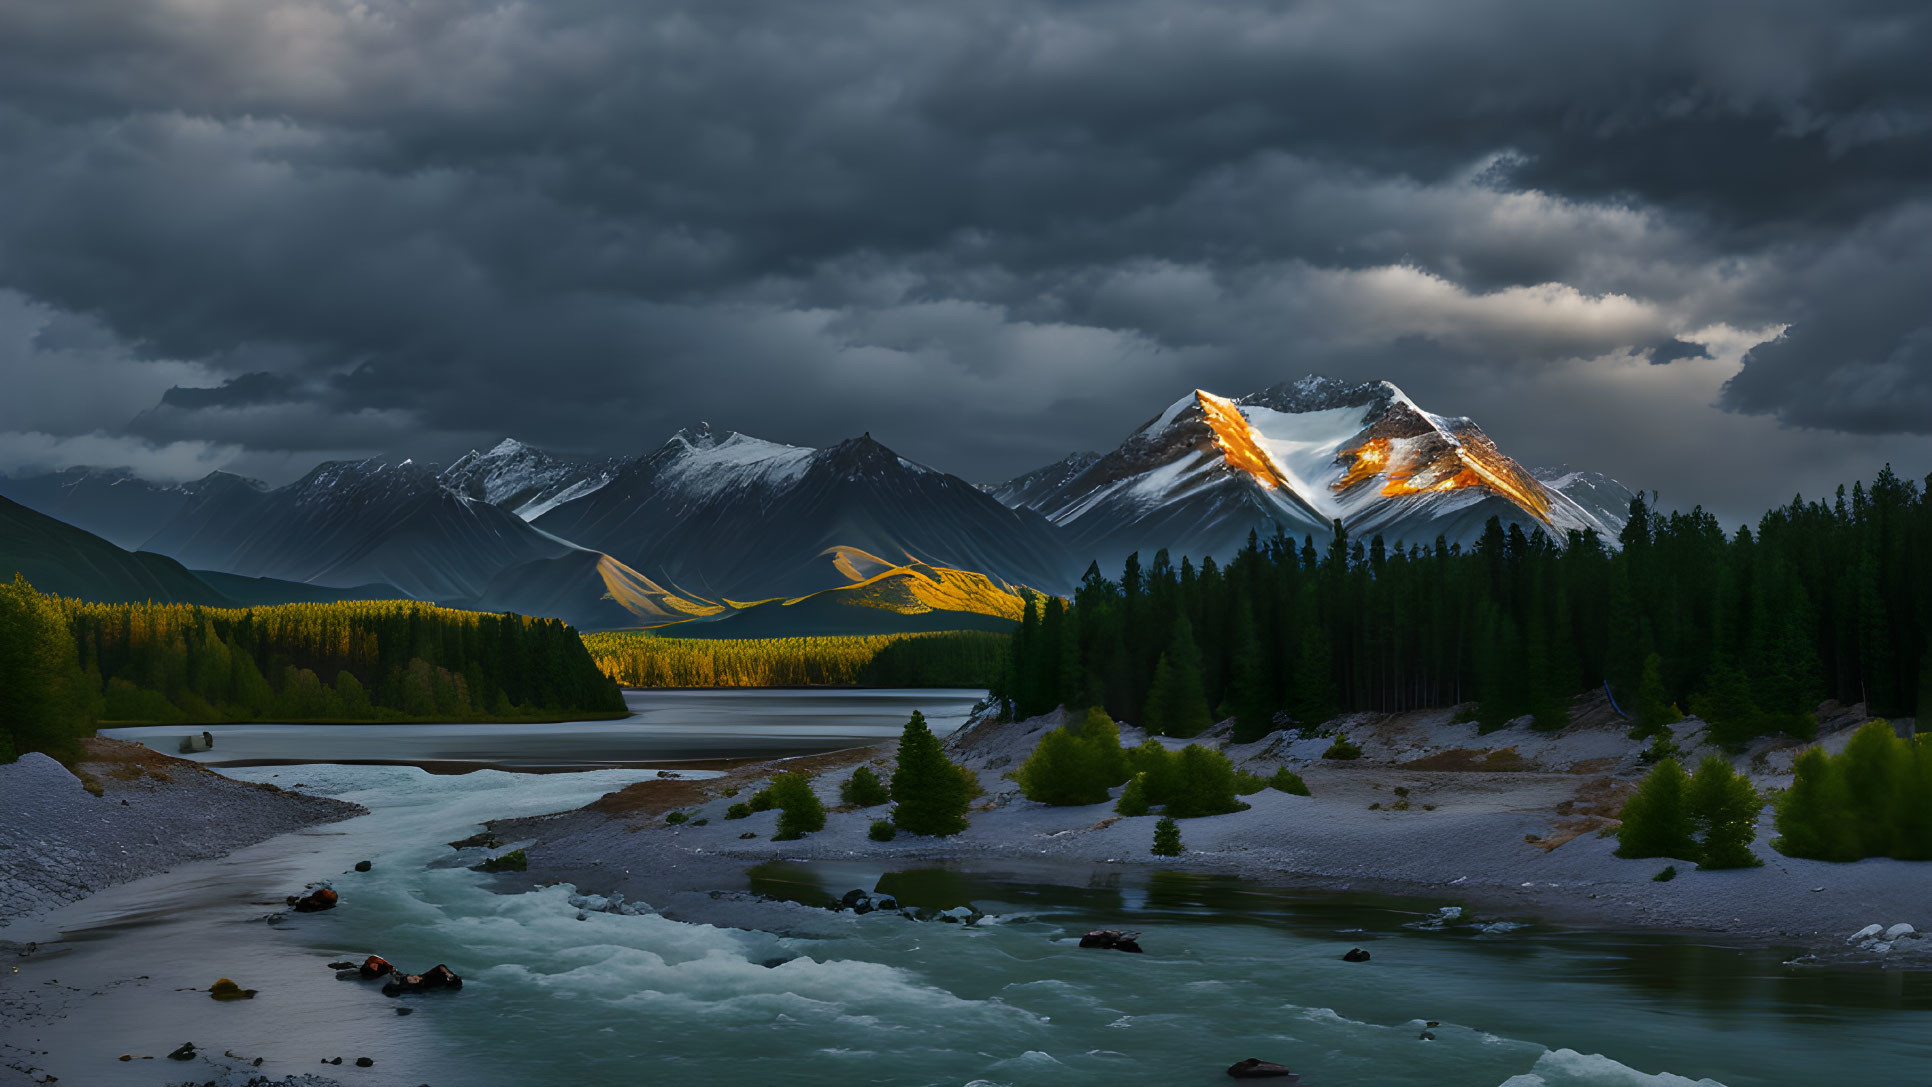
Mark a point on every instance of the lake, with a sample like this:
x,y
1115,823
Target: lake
x,y
669,727
1232,968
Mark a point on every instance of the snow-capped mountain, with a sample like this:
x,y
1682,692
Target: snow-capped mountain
x,y
734,518
354,522
1301,456
1024,491
525,480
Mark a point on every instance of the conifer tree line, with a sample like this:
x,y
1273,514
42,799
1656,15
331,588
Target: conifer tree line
x,y
1751,630
353,660
964,658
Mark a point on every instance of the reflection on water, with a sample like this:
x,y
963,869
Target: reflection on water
x,y
668,726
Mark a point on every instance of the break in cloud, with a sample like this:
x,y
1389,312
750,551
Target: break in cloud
x,y
1688,245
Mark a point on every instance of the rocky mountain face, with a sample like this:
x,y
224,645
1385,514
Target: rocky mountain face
x,y
353,522
1299,457
112,503
733,518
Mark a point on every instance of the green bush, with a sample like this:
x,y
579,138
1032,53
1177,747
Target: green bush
x,y
1133,799
677,817
864,789
1075,765
1872,800
761,801
739,810
799,810
513,861
1246,784
929,791
1167,838
1657,819
1726,809
882,830
1342,749
1669,873
1288,781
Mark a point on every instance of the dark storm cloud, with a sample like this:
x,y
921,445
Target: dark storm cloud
x,y
586,222
259,387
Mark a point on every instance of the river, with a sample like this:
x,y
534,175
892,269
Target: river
x,y
1232,969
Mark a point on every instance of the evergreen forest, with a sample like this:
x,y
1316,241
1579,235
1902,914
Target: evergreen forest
x,y
1749,629
965,658
66,664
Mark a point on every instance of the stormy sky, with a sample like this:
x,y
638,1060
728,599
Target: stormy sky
x,y
1689,245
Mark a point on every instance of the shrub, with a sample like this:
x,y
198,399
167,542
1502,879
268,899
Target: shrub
x,y
864,789
513,861
1872,800
1205,784
799,810
929,791
1075,765
1167,838
1657,819
677,817
1133,799
1726,808
761,801
740,810
882,830
1246,784
1289,782
1342,749
1669,873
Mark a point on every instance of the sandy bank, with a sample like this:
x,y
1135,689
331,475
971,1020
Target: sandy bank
x,y
1514,823
60,842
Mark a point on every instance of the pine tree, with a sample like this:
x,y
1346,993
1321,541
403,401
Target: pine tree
x,y
1253,689
929,791
1657,820
1177,704
1655,711
46,703
1725,806
1167,838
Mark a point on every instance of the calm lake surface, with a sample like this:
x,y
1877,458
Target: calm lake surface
x,y
1232,969
669,726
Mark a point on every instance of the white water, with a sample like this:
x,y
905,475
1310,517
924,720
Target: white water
x,y
1232,970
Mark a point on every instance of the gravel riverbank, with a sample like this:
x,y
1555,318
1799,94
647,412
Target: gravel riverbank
x,y
128,812
1514,824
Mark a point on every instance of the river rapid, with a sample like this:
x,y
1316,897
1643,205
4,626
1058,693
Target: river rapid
x,y
1232,969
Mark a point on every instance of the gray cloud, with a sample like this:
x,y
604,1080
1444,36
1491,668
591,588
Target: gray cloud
x,y
335,226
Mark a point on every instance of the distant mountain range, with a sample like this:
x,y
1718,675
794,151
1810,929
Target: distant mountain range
x,y
718,533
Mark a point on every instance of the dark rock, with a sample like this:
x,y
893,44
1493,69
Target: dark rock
x,y
224,989
1356,954
1256,1068
405,1011
1110,939
747,834
852,898
342,966
365,1062
322,898
185,1053
1426,1036
483,838
363,866
886,902
773,964
436,977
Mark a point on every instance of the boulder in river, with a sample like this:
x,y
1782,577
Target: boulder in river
x,y
1110,939
1355,954
322,898
364,866
436,977
185,1053
375,966
225,989
1256,1068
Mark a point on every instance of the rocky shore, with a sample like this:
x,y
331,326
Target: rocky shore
x,y
127,812
1513,823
